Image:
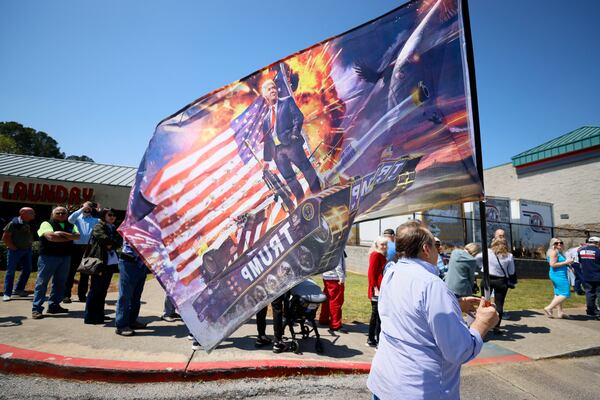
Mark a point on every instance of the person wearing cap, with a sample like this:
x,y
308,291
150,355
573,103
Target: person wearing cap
x,y
589,258
391,248
441,266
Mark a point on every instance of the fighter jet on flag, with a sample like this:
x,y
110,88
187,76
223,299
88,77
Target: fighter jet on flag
x,y
250,189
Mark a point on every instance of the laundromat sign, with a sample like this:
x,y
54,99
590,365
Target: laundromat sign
x,y
45,193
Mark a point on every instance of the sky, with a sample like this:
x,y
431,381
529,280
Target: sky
x,y
98,76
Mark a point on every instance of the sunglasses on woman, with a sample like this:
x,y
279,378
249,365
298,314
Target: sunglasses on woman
x,y
559,243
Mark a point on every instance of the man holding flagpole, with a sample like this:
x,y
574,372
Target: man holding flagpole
x,y
424,340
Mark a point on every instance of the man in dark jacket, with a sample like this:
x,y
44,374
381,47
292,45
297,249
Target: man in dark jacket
x,y
18,238
589,258
56,241
283,141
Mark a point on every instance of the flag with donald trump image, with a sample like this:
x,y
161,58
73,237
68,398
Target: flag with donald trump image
x,y
249,190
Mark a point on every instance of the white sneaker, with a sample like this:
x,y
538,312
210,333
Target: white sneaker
x,y
6,298
196,346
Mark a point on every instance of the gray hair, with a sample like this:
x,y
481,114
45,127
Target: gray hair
x,y
378,240
266,83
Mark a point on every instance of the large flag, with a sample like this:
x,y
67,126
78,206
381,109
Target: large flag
x,y
250,189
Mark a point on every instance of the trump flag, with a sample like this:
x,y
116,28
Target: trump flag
x,y
252,188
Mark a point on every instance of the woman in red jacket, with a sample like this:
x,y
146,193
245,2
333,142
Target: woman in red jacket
x,y
377,260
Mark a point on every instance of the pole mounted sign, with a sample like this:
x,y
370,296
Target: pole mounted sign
x,y
250,189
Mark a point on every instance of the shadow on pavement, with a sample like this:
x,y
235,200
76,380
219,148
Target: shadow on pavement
x,y
518,315
175,330
580,317
514,332
305,346
16,320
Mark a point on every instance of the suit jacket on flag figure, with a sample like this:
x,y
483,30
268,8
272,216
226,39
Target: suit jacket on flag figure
x,y
283,141
424,340
333,282
589,258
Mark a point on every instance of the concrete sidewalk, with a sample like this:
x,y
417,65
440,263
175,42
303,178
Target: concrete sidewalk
x,y
62,345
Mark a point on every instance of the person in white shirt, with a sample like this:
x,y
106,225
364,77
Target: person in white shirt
x,y
501,266
576,268
85,219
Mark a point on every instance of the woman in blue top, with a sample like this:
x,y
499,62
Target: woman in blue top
x,y
558,275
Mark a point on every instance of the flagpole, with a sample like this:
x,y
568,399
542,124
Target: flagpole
x,y
477,135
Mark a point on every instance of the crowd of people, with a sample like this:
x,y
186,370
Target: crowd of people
x,y
64,241
416,317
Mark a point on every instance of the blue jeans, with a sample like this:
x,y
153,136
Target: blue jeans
x,y
169,309
94,304
57,268
14,258
131,285
578,284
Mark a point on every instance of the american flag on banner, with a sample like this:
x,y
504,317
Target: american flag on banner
x,y
202,197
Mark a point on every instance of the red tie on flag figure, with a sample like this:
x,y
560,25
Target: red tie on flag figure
x,y
273,118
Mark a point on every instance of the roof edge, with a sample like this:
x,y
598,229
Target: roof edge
x,y
65,160
521,154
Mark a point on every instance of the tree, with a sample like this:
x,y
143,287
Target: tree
x,y
80,158
28,141
7,144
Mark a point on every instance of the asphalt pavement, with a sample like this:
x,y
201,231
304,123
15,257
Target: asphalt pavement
x,y
63,346
554,379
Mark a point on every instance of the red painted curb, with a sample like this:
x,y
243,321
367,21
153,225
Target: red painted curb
x,y
499,359
22,361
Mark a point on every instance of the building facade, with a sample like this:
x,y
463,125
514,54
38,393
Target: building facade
x,y
41,183
564,172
